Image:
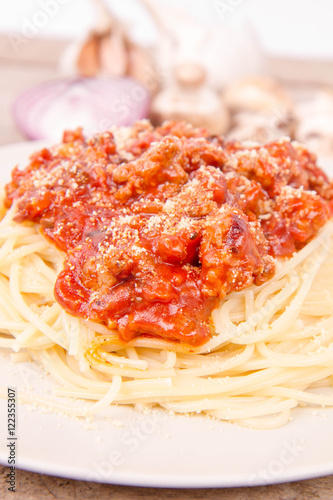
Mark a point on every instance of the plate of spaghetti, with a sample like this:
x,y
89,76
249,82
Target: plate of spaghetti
x,y
166,307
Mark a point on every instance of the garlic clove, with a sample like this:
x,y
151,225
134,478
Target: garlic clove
x,y
113,55
141,68
88,57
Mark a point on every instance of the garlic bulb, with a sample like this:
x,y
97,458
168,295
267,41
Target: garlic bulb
x,y
108,50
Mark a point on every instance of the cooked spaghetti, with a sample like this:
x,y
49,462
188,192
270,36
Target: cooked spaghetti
x,y
163,266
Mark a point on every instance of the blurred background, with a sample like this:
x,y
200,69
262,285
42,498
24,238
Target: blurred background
x,y
248,69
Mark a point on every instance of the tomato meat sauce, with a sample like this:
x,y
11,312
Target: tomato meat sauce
x,y
158,224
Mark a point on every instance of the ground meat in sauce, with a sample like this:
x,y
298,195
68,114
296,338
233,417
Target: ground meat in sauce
x,y
159,224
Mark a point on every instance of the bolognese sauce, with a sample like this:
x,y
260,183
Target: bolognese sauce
x,y
158,224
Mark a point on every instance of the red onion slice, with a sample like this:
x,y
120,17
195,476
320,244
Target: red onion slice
x,y
95,104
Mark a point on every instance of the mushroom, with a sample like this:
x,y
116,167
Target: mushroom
x,y
262,109
260,127
256,94
315,122
189,98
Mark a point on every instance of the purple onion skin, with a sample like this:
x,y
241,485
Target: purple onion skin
x,y
116,102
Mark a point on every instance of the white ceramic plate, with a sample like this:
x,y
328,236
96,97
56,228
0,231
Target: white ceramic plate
x,y
123,446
